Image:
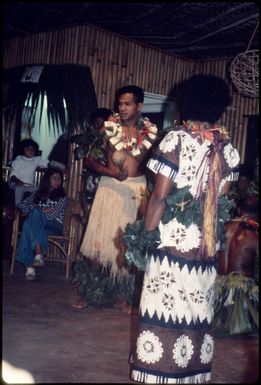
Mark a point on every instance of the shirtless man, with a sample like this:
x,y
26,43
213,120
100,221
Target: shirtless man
x,y
122,189
130,103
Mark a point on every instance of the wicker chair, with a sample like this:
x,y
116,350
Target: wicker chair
x,y
65,243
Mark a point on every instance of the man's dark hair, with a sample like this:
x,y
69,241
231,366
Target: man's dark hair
x,y
136,91
203,98
102,113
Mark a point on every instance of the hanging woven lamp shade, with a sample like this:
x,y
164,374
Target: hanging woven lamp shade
x,y
244,70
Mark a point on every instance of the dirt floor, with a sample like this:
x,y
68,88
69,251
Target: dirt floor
x,y
55,343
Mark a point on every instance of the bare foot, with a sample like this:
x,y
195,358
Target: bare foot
x,y
123,306
80,304
126,308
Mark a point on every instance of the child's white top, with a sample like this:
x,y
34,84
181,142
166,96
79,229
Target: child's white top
x,y
24,168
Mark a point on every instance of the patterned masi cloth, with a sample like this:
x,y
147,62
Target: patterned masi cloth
x,y
174,339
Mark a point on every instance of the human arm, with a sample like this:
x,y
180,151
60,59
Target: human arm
x,y
157,201
27,204
15,170
226,188
101,169
42,163
164,164
16,180
57,211
144,234
56,164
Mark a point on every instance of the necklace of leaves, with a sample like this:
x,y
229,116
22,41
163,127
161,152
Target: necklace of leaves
x,y
181,205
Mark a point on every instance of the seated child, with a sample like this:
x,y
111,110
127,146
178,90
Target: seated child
x,y
23,169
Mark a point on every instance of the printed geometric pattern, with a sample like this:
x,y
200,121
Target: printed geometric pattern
x,y
58,207
174,234
164,292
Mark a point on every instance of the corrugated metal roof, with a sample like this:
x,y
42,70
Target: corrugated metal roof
x,y
197,30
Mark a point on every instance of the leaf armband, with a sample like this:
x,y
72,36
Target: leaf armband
x,y
140,243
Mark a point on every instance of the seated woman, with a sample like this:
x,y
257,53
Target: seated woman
x,y
45,214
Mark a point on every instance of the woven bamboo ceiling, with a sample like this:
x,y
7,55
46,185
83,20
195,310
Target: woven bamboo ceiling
x,y
197,30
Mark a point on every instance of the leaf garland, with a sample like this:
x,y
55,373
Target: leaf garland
x,y
236,305
224,214
140,243
89,142
181,205
97,287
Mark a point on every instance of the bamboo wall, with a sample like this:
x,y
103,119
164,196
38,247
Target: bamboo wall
x,y
235,118
115,62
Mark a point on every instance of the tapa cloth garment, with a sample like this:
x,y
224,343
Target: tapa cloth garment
x,y
175,342
115,205
174,339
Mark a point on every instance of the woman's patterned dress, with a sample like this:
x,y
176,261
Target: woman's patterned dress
x,y
174,340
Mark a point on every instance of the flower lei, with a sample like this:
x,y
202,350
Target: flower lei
x,y
120,141
205,133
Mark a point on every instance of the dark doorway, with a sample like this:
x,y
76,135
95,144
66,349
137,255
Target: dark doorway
x,y
155,118
252,141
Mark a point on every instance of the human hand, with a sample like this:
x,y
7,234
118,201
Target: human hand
x,y
122,174
115,117
19,183
19,212
47,210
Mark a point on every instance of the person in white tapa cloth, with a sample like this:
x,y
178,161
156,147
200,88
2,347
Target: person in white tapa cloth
x,y
174,341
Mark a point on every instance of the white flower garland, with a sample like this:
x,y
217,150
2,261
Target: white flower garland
x,y
120,141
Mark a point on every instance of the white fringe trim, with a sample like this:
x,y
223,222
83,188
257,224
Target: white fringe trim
x,y
147,378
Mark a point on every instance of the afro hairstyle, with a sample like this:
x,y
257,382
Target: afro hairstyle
x,y
203,98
